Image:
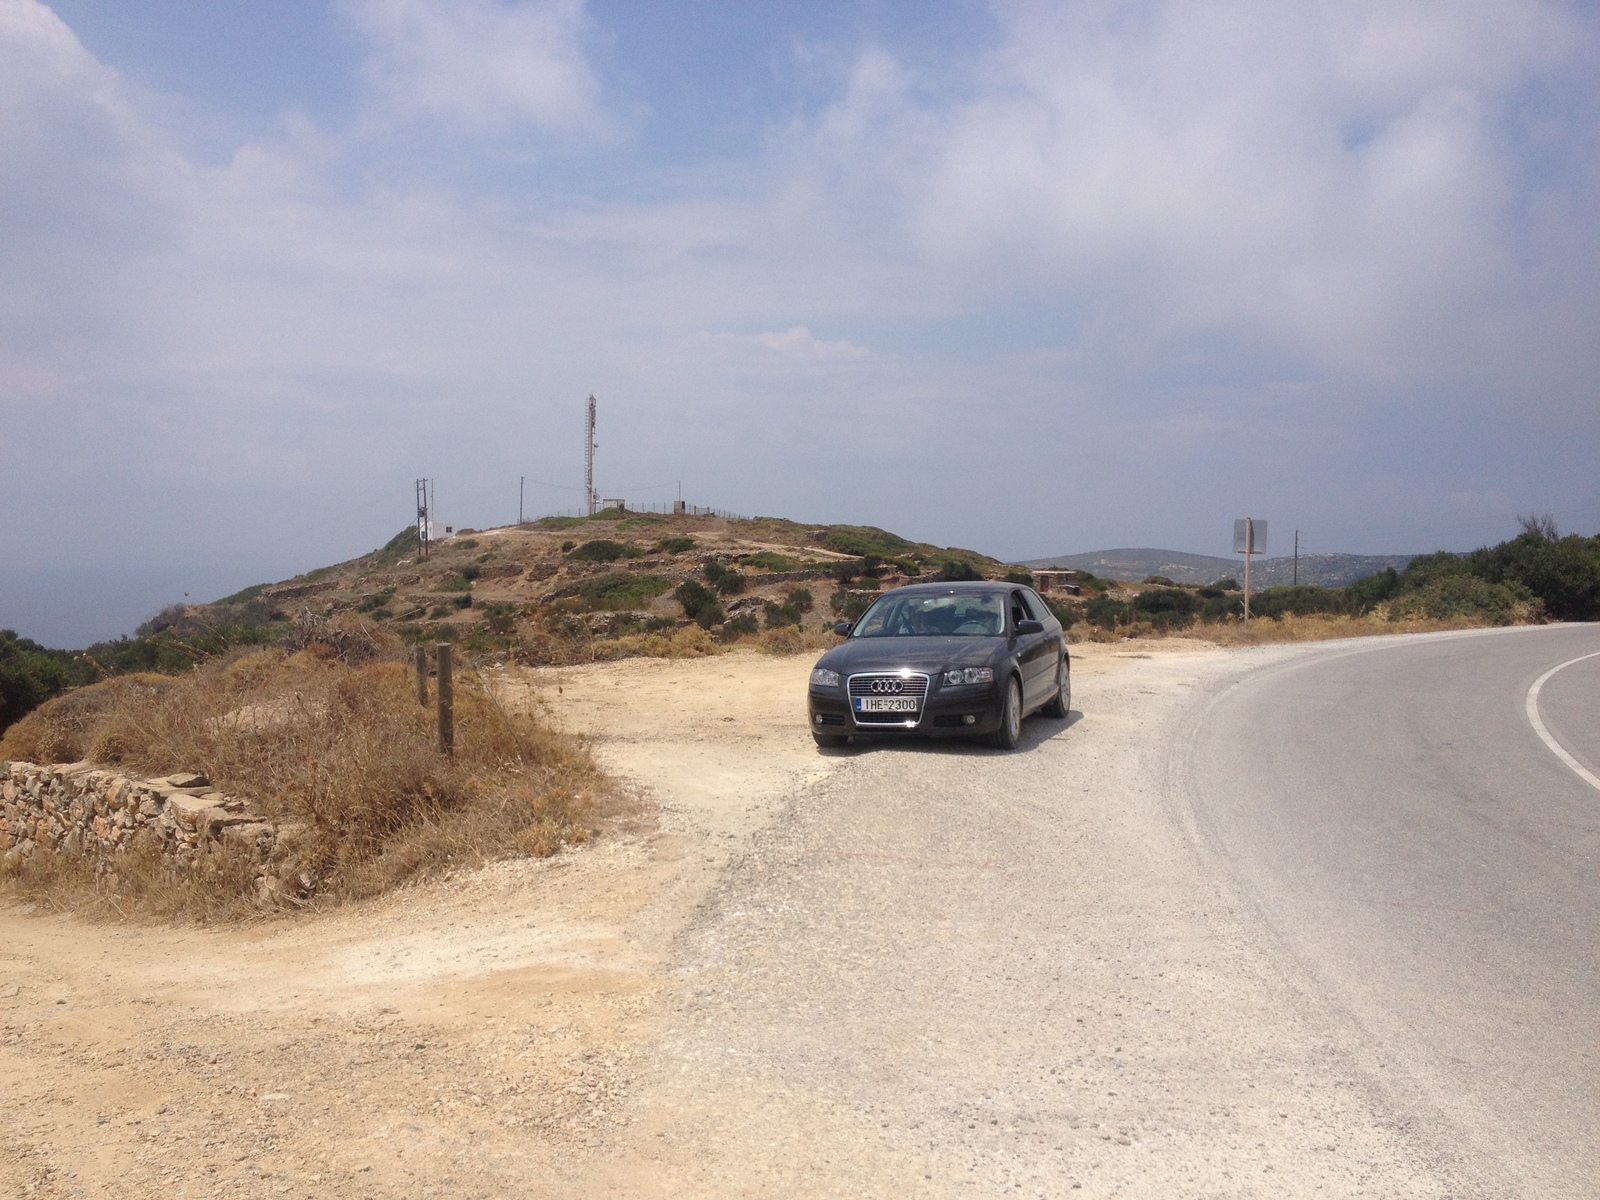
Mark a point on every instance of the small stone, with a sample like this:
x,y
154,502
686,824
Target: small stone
x,y
188,779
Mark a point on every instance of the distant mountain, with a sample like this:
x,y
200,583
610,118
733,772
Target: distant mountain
x,y
1329,570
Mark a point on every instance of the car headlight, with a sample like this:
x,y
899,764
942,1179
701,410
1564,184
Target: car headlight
x,y
959,675
821,677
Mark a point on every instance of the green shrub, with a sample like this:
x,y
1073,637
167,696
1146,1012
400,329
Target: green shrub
x,y
699,604
738,626
1222,606
1363,595
659,624
730,583
766,560
848,606
1563,572
375,600
675,545
1063,612
567,545
500,618
438,611
779,615
466,543
1167,608
1227,584
955,570
604,550
802,600
1301,601
621,590
1020,575
1108,613
463,601
1451,596
456,583
471,571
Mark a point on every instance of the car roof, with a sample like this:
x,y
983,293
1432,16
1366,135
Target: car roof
x,y
948,586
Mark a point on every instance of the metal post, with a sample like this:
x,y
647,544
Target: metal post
x,y
420,657
522,481
447,701
1296,558
1249,549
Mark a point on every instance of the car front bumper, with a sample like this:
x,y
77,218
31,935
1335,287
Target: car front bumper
x,y
948,712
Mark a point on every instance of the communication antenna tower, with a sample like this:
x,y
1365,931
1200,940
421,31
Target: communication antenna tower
x,y
423,504
591,497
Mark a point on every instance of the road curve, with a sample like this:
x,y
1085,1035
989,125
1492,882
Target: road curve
x,y
1427,866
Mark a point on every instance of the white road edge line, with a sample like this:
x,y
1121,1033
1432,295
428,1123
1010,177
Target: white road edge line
x,y
1556,747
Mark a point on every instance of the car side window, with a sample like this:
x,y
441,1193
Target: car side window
x,y
1040,609
1020,610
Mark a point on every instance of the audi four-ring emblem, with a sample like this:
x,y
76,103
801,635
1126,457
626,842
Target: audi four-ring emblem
x,y
888,687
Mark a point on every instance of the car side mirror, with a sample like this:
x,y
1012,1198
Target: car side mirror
x,y
1029,627
842,628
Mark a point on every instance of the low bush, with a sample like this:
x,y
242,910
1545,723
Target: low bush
x,y
1454,596
730,582
736,627
699,604
675,545
848,605
622,590
802,600
781,614
603,550
1020,575
766,560
955,570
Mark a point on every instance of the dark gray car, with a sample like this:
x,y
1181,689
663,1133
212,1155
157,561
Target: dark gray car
x,y
943,660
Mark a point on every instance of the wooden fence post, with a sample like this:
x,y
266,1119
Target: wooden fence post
x,y
447,701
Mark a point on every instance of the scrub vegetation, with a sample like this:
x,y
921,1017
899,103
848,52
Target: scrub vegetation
x,y
332,739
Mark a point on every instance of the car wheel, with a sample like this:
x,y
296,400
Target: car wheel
x,y
831,739
1061,704
1010,731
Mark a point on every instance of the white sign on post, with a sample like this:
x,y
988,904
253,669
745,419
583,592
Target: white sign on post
x,y
1249,538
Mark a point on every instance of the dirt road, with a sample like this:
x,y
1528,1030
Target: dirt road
x,y
891,971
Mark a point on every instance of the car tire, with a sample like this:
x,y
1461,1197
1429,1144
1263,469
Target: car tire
x,y
831,740
1010,731
1061,703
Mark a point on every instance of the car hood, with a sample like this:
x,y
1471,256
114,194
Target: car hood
x,y
930,654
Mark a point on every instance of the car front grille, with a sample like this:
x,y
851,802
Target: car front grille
x,y
913,686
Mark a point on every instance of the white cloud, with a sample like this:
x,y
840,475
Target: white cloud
x,y
489,65
798,342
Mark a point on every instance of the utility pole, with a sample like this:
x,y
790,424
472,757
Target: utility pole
x,y
422,518
591,497
1249,538
1296,558
522,481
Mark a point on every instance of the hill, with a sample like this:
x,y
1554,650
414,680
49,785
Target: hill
x,y
610,575
1326,570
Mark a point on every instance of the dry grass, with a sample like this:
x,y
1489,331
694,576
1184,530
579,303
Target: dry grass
x,y
346,752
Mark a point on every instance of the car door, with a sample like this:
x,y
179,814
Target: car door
x,y
1033,653
1055,640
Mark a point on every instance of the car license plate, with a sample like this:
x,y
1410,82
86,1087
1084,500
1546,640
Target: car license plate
x,y
866,704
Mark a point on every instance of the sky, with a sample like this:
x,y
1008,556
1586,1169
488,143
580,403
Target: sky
x,y
1029,278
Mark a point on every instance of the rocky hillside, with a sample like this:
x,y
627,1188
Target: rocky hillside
x,y
613,575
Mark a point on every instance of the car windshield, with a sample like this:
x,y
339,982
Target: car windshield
x,y
963,614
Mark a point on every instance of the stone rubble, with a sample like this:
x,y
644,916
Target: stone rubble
x,y
85,811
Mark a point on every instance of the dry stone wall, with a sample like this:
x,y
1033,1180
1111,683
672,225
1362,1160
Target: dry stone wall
x,y
81,810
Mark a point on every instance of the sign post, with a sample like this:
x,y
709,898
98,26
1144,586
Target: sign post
x,y
1249,538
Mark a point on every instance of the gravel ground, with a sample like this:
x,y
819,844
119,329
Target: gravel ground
x,y
949,970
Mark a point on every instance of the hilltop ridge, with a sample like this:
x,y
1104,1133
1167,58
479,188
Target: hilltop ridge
x,y
1326,570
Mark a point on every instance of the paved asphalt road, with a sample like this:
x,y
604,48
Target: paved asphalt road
x,y
1313,920
1430,864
